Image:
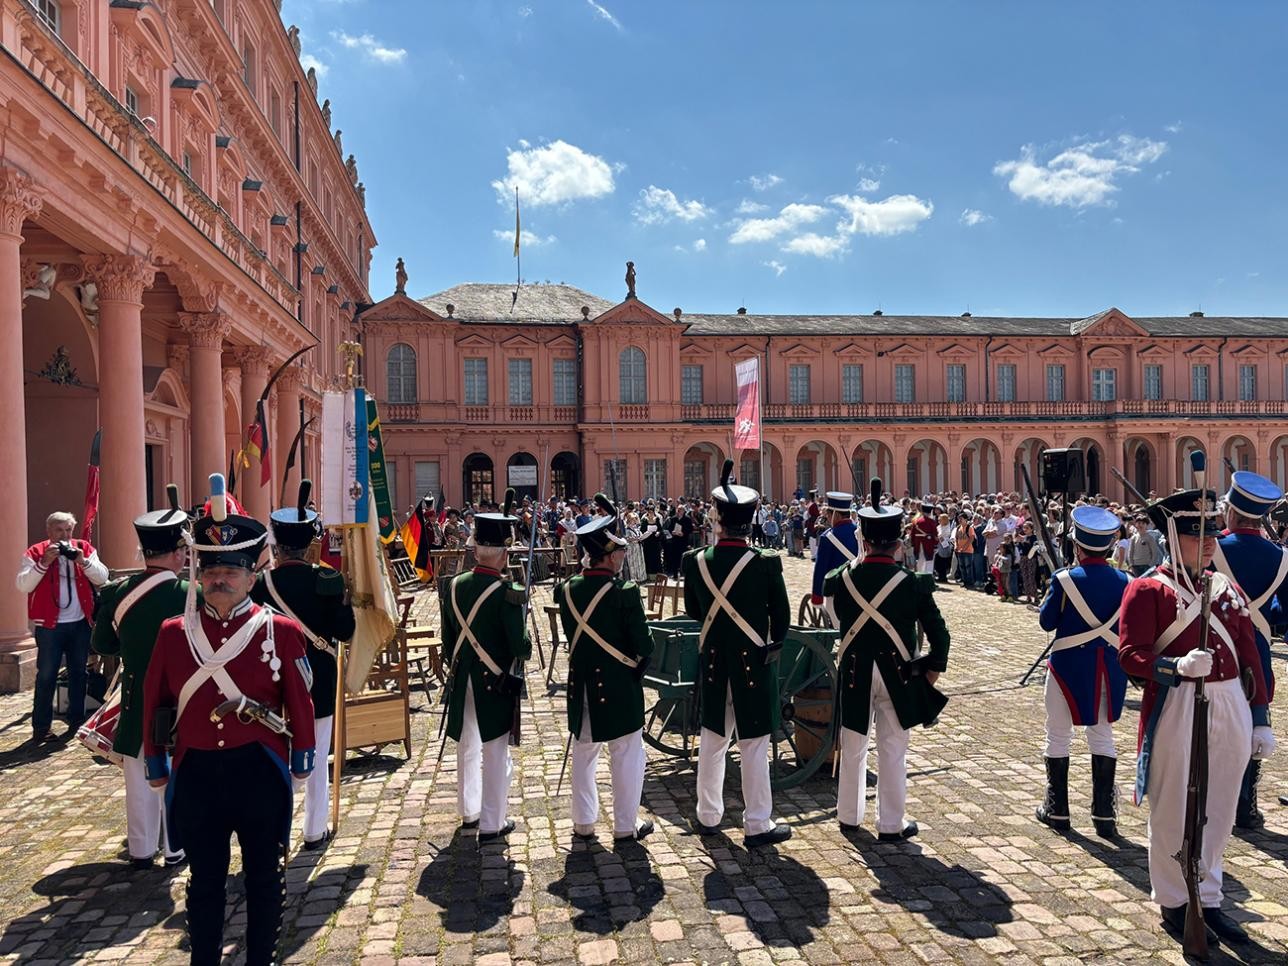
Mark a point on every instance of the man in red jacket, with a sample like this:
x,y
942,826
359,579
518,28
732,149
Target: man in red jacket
x,y
58,575
227,690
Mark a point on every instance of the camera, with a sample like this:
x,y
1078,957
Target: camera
x,y
65,549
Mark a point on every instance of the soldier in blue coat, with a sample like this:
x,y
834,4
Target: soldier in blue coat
x,y
838,544
1259,568
1085,684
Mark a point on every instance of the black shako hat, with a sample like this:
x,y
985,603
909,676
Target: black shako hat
x,y
880,524
161,531
735,505
602,535
1185,509
294,528
496,529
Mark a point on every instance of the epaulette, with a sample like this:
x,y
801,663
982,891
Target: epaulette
x,y
329,583
925,582
515,594
629,585
694,550
773,559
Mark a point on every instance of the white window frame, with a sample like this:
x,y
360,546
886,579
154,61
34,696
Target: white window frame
x,y
1247,383
1200,382
131,100
691,379
1055,382
798,384
50,14
632,374
955,382
1006,378
518,380
1152,381
563,373
400,382
655,479
475,383
1104,384
905,383
852,383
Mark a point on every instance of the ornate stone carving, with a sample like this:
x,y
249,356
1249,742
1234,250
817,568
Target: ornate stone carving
x,y
326,112
400,278
291,379
20,200
251,359
176,357
206,330
293,35
120,278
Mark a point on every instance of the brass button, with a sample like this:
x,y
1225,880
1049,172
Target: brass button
x,y
220,726
220,742
603,701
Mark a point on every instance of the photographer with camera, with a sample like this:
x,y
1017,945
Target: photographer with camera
x,y
56,575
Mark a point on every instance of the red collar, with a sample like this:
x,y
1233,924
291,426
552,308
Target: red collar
x,y
878,558
597,571
1246,531
1094,562
731,542
480,569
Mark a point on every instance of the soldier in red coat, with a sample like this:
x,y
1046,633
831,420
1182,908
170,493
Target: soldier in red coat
x,y
1159,643
227,690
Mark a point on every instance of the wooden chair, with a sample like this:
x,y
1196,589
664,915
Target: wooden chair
x,y
378,715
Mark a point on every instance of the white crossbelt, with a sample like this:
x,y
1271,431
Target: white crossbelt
x,y
871,613
468,632
720,599
1096,629
836,542
134,596
211,663
1193,604
1255,604
318,641
584,628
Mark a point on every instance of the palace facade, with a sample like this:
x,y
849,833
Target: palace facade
x,y
177,218
476,394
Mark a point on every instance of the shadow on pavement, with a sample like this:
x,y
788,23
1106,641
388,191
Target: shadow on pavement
x,y
609,889
473,888
783,902
309,905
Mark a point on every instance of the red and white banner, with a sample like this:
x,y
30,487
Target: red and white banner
x,y
746,421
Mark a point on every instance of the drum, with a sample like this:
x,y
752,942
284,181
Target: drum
x,y
99,730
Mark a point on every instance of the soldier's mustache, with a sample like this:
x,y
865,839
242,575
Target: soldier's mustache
x,y
220,588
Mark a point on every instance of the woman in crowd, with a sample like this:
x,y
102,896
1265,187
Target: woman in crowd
x,y
634,568
651,542
943,548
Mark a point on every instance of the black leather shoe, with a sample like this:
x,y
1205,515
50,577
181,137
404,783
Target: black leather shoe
x,y
779,833
705,829
847,829
1225,927
1283,799
643,829
141,865
470,825
174,861
315,844
1174,923
908,832
871,779
501,833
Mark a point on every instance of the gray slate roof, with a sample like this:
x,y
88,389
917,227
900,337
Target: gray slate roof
x,y
479,302
558,303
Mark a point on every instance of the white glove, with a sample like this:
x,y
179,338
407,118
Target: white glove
x,y
1263,742
298,783
1196,664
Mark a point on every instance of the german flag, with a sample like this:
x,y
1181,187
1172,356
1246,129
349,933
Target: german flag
x,y
416,540
257,444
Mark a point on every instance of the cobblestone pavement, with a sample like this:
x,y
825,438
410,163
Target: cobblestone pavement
x,y
983,882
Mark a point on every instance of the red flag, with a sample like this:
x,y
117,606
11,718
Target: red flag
x,y
746,421
91,490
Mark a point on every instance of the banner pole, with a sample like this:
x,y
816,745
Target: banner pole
x,y
339,739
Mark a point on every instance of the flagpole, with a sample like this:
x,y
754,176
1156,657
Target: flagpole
x,y
760,425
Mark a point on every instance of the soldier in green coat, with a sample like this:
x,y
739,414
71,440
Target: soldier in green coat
x,y
130,613
608,649
483,639
315,597
739,596
877,606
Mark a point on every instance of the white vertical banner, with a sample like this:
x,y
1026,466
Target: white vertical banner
x,y
746,422
344,458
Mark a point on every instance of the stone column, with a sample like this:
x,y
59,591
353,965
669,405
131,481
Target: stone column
x,y
206,334
287,425
19,201
254,374
121,280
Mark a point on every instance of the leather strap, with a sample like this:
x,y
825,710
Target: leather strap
x,y
837,542
317,640
137,594
1193,605
583,627
211,663
1254,605
1096,629
468,632
720,599
870,612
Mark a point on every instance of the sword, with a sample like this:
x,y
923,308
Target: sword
x,y
249,710
564,766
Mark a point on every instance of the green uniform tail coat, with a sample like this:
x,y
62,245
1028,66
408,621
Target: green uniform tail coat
x,y
499,629
614,690
730,660
910,604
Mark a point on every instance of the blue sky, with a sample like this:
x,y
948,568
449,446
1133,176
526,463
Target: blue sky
x,y
1002,158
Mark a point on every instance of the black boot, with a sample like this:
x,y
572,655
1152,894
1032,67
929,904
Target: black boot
x,y
1104,796
1247,815
1054,810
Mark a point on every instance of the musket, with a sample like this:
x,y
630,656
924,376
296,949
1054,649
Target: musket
x,y
249,710
1052,552
1127,484
1194,940
519,680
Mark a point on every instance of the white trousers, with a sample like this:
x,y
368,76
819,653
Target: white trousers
x,y
144,812
1059,724
925,565
317,787
813,548
483,771
757,796
1229,744
626,765
892,765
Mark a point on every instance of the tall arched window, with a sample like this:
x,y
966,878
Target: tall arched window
x,y
400,372
630,365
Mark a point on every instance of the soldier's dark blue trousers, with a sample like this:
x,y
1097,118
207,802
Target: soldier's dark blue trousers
x,y
218,794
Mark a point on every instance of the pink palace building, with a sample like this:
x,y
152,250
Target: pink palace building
x,y
177,218
476,395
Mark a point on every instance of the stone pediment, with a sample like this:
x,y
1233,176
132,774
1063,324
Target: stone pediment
x,y
1112,323
518,342
1007,350
852,349
956,351
902,351
692,348
1055,350
562,342
1249,350
633,311
1153,351
799,351
399,308
474,341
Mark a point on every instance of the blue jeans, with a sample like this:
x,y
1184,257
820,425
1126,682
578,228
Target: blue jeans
x,y
966,569
68,641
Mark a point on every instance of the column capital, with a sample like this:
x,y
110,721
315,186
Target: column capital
x,y
120,278
206,330
251,359
290,380
20,199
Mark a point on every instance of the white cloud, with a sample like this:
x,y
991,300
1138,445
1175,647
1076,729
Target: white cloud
x,y
525,11
553,174
820,246
603,14
658,205
700,245
763,182
1173,128
789,219
1254,275
307,60
869,184
527,239
1083,175
749,207
371,48
890,216
973,216
776,265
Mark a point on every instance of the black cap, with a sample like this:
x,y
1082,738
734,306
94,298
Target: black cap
x,y
496,529
880,524
212,536
1183,508
735,505
161,531
603,534
294,528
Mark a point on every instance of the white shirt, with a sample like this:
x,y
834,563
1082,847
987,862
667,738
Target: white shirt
x,y
30,573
